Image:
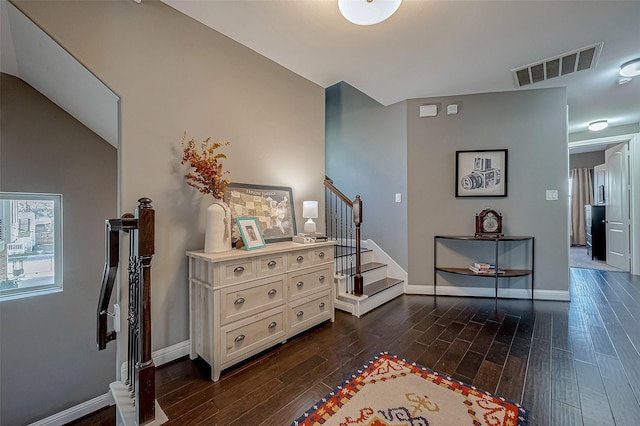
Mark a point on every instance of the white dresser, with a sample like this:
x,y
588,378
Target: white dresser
x,y
242,302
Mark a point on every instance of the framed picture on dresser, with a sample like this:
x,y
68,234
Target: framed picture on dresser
x,y
271,206
250,232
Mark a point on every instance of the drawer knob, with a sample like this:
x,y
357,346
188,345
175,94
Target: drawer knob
x,y
272,325
239,338
321,305
272,292
299,314
239,269
321,278
300,258
299,284
239,301
271,264
321,255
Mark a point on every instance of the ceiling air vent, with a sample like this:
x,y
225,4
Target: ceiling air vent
x,y
567,63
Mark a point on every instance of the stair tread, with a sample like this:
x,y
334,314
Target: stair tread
x,y
381,285
366,267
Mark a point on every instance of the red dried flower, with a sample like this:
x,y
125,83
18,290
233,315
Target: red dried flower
x,y
207,176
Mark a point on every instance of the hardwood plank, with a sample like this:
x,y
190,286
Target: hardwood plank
x,y
564,384
507,329
297,407
451,332
565,415
470,331
452,357
624,405
469,366
488,376
537,396
594,402
569,363
511,385
433,353
498,353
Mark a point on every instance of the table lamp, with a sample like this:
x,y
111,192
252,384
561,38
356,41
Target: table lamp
x,y
309,211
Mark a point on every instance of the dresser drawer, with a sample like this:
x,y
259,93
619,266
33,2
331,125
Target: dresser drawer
x,y
271,265
309,281
243,300
299,259
237,271
322,255
309,311
242,337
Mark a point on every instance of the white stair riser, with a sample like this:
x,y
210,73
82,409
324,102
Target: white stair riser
x,y
374,275
367,257
361,307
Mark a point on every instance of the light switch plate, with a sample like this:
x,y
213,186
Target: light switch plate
x,y
552,194
398,197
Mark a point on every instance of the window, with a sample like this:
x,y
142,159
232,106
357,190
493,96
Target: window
x,y
30,244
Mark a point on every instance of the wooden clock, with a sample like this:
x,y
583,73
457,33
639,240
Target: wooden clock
x,y
488,223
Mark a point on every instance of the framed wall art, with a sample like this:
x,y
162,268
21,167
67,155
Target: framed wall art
x,y
481,173
250,232
271,206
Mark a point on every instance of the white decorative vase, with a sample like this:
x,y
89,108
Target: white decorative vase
x,y
217,234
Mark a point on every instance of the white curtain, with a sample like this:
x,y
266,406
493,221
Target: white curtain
x,y
581,195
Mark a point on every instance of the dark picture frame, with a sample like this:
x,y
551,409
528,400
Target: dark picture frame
x,y
482,173
250,233
271,206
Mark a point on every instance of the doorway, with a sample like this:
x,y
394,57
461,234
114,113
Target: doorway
x,y
590,155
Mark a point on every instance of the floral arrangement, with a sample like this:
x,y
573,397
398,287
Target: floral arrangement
x,y
207,176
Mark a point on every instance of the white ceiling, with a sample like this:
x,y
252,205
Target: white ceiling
x,y
30,54
440,48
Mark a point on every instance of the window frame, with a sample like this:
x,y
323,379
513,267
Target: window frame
x,y
5,214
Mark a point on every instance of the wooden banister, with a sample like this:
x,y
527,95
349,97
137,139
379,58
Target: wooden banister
x,y
341,226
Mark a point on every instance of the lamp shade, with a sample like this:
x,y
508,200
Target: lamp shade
x,y
367,12
309,209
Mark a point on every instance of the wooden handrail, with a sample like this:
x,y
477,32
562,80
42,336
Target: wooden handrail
x,y
356,221
140,367
329,184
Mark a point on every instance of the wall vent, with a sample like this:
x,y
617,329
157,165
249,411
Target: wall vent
x,y
567,63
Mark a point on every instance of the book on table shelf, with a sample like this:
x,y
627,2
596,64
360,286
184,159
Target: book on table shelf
x,y
485,268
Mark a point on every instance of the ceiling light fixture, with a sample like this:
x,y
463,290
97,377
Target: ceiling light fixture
x,y
367,12
631,68
598,125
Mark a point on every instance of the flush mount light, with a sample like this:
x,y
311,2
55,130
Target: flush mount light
x,y
598,125
367,12
631,68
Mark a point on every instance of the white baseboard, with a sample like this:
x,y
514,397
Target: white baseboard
x,y
160,357
556,295
77,411
163,356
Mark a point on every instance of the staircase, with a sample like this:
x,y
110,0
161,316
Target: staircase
x,y
378,284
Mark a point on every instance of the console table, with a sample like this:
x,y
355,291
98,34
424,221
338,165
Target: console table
x,y
243,302
508,273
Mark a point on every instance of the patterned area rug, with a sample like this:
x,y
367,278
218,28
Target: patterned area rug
x,y
392,392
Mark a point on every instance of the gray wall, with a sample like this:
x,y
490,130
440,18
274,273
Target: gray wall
x,y
366,156
49,360
531,124
586,160
173,74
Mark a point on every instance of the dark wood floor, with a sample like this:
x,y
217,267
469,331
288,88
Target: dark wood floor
x,y
569,363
